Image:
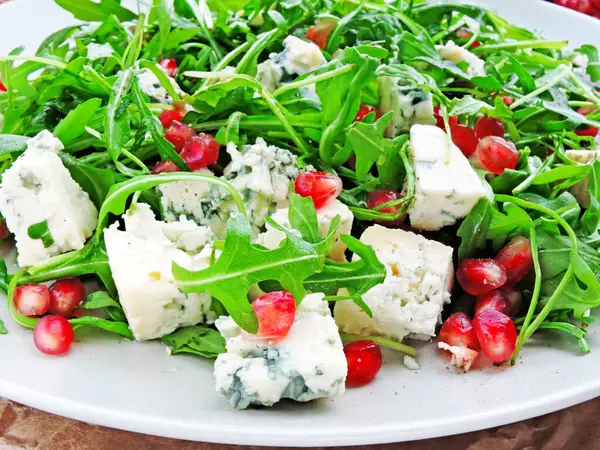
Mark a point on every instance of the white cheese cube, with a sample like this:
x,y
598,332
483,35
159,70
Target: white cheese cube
x,y
141,259
307,364
269,75
447,187
272,238
300,57
416,288
97,51
409,107
38,188
151,86
580,190
457,54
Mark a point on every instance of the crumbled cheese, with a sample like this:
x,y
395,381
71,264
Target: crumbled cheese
x,y
462,357
272,238
411,363
141,259
414,292
447,187
38,188
307,364
98,51
151,86
269,75
580,190
457,54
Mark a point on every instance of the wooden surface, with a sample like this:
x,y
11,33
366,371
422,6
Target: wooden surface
x,y
22,427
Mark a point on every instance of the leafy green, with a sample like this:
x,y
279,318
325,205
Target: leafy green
x,y
197,340
91,11
303,217
474,229
73,126
103,300
119,328
95,181
40,231
3,329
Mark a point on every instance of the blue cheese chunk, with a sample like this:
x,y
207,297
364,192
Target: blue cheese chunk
x,y
150,85
417,286
38,188
272,238
410,106
141,259
457,54
307,364
447,187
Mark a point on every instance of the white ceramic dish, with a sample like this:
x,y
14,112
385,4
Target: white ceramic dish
x,y
138,387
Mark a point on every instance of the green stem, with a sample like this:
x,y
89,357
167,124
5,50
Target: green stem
x,y
557,78
46,61
527,182
520,45
388,343
24,321
313,80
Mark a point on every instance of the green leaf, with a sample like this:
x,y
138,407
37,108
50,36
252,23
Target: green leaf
x,y
90,11
303,217
96,182
474,229
565,204
4,276
572,330
198,340
561,173
3,329
591,217
241,265
119,328
103,300
525,79
469,106
593,69
73,126
40,231
514,221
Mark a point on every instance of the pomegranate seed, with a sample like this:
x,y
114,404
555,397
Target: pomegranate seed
x,y
2,87
381,196
464,138
495,154
321,186
515,299
319,33
516,258
478,276
351,163
488,126
587,131
4,231
493,300
582,6
475,44
165,167
457,331
53,335
496,333
276,312
364,362
507,100
364,111
168,116
464,33
439,118
66,295
586,110
170,66
32,299
178,134
462,357
200,151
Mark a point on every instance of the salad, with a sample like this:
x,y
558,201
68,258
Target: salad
x,y
287,186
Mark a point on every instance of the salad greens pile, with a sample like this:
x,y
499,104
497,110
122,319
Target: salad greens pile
x,y
112,139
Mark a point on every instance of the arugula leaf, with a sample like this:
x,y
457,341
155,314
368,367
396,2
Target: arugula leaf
x,y
103,300
4,276
241,265
119,328
593,69
90,11
303,217
96,182
197,340
73,126
591,218
474,229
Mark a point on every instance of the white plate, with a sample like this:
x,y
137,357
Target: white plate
x,y
138,387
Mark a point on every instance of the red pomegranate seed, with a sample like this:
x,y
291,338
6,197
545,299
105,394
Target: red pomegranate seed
x,y
364,111
496,154
165,167
168,116
381,196
478,276
495,300
457,331
178,134
276,312
515,299
464,33
53,335
321,186
66,295
496,333
319,33
364,362
200,151
516,258
587,131
170,66
507,100
488,126
439,118
586,110
4,231
475,44
32,299
464,138
2,87
582,6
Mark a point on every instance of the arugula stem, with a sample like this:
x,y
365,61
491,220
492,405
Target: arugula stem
x,y
24,321
388,343
313,80
554,80
46,61
527,181
520,45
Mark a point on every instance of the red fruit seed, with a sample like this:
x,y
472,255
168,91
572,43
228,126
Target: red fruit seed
x,y
516,258
321,186
457,331
582,6
170,66
464,138
168,116
4,231
364,362
437,114
200,151
496,154
495,300
66,295
178,134
475,44
53,335
165,167
507,100
32,299
2,87
381,196
464,33
586,110
364,111
515,299
496,333
488,126
276,312
478,276
587,131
